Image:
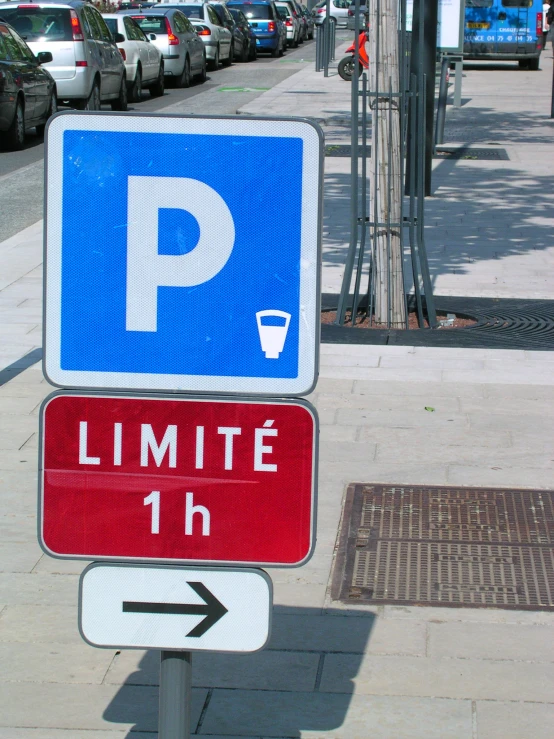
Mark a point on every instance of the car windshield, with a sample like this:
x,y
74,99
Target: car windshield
x,y
151,23
112,25
192,11
255,10
40,24
283,11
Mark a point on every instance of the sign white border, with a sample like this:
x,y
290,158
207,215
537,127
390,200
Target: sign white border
x,y
247,594
183,399
312,195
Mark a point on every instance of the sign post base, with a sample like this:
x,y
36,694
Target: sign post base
x,y
175,695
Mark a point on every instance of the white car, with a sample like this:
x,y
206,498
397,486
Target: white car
x,y
292,24
173,34
143,61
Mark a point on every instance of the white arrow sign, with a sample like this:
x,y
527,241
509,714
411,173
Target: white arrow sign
x,y
142,607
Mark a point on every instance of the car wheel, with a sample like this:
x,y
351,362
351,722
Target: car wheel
x,y
282,49
93,101
184,79
253,51
52,109
158,88
230,59
15,135
295,43
135,95
203,74
121,102
276,50
213,65
244,54
533,64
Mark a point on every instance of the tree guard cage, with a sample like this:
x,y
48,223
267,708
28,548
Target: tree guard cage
x,y
387,197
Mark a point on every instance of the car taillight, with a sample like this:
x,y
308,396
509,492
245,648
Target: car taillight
x,y
81,64
172,39
320,11
76,27
123,54
288,22
539,24
350,12
203,31
271,26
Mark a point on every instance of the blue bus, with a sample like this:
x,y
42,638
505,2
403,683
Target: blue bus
x,y
504,30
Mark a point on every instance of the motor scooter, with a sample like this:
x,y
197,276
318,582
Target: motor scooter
x,y
346,65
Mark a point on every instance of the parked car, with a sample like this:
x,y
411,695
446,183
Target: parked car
x,y
310,21
241,40
263,16
297,7
351,20
27,91
339,11
242,22
292,24
215,36
144,64
86,62
170,30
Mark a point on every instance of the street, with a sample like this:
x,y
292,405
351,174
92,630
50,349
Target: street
x,y
21,172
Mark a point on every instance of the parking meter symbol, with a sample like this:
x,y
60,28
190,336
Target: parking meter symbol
x,y
272,331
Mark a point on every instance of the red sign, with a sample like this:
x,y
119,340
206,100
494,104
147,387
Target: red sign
x,y
183,480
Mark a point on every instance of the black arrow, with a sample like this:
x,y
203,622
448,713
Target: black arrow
x,y
213,609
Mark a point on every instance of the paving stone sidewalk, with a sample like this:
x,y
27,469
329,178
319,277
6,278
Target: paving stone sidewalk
x,y
331,670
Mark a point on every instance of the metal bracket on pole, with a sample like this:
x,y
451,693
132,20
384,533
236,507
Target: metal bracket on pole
x,y
175,695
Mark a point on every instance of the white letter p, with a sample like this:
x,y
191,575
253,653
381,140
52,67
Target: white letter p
x,y
146,269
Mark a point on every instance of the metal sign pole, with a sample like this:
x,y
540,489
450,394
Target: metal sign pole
x,y
175,695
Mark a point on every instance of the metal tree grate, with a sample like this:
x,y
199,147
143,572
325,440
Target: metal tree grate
x,y
470,153
446,546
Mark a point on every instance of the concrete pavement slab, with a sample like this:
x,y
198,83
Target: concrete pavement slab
x,y
40,624
491,641
76,707
516,720
465,679
54,663
335,715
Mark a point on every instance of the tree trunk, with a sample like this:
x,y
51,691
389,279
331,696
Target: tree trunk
x,y
385,164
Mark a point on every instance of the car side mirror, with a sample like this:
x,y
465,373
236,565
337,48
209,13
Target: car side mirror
x,y
152,36
44,57
119,38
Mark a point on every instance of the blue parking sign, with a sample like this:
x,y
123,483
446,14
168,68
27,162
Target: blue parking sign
x,y
182,253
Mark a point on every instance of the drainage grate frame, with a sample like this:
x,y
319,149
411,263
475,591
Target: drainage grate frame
x,y
446,546
463,152
468,152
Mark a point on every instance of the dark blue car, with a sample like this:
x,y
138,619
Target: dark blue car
x,y
270,31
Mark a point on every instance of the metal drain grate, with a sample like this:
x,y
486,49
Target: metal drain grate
x,y
502,323
417,545
344,150
470,153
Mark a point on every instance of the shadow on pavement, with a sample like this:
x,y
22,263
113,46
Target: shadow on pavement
x,y
281,691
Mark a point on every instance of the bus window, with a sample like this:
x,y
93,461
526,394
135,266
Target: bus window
x,y
479,3
517,3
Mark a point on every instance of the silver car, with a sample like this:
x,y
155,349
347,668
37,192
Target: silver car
x,y
339,11
174,35
86,62
215,36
